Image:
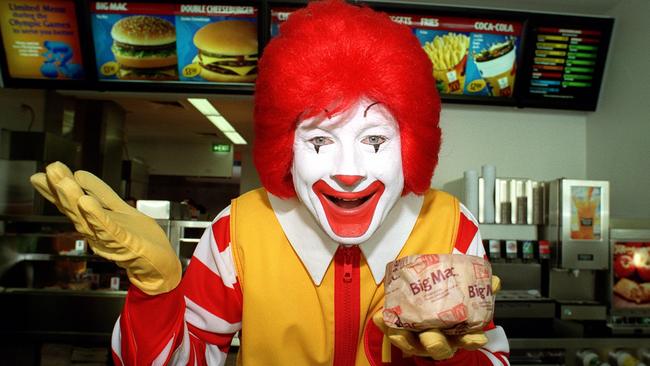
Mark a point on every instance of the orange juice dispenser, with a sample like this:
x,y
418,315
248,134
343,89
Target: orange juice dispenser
x,y
577,227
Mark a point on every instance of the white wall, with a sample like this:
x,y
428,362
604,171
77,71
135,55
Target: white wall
x,y
618,134
183,159
528,143
531,143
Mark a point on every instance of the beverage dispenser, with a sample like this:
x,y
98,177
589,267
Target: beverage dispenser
x,y
577,227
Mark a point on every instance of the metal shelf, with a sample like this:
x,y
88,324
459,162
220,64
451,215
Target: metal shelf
x,y
571,346
66,292
33,235
629,234
508,231
184,240
43,257
36,219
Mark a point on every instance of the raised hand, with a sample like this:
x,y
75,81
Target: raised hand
x,y
115,230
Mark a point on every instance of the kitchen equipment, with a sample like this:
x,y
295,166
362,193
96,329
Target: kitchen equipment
x,y
578,223
578,232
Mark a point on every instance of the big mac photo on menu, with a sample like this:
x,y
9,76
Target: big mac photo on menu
x,y
135,41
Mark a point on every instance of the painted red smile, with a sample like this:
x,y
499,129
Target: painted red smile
x,y
349,213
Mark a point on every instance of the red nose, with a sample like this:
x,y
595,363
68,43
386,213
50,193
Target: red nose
x,y
348,180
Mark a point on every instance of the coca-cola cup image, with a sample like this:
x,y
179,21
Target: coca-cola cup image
x,y
497,66
449,292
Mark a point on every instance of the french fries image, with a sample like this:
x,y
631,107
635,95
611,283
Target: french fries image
x,y
447,51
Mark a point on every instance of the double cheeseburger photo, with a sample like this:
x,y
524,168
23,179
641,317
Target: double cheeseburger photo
x,y
227,51
145,48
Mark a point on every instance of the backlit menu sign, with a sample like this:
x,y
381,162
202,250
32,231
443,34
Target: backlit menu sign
x,y
566,64
470,56
41,39
175,42
631,277
278,16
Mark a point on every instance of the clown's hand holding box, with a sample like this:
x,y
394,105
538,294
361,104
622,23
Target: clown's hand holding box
x,y
346,141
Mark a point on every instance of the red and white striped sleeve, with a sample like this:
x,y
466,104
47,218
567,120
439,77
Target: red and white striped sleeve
x,y
497,349
192,325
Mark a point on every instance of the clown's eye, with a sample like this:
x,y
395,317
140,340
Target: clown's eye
x,y
319,141
374,140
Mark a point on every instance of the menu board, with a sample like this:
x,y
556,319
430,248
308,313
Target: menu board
x,y
41,39
566,63
470,56
631,276
175,42
278,16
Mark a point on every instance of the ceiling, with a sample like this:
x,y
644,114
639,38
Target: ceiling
x,y
171,118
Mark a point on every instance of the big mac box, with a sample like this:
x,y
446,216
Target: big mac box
x,y
227,51
448,292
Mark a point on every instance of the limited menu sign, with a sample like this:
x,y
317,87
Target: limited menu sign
x,y
470,56
41,39
175,42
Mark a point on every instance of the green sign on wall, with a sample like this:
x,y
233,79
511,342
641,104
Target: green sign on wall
x,y
220,148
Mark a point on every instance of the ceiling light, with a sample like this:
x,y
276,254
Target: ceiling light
x,y
235,138
221,123
204,106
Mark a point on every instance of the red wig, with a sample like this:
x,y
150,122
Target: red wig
x,y
328,56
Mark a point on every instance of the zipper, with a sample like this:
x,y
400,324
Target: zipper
x,y
346,305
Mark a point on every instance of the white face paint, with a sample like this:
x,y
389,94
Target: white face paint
x,y
347,170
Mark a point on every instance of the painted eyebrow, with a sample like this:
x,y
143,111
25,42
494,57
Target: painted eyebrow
x,y
367,108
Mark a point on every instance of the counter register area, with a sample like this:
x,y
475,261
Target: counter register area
x,y
560,303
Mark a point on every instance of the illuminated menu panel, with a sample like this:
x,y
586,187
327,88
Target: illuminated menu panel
x,y
565,61
175,42
41,39
470,56
631,277
278,16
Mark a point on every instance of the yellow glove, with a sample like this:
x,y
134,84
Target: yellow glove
x,y
430,343
115,230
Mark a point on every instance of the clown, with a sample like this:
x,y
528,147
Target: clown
x,y
347,138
